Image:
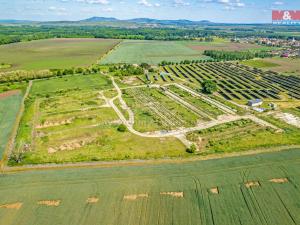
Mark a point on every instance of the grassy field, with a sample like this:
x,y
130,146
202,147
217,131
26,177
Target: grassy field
x,y
244,135
9,107
155,111
154,52
67,120
249,190
201,105
54,53
280,65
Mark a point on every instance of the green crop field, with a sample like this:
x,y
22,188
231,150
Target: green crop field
x,y
154,52
9,107
54,53
249,190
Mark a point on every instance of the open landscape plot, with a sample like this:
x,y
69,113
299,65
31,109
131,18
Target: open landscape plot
x,y
248,190
206,108
152,52
70,120
241,135
239,82
224,45
280,65
10,103
55,53
154,110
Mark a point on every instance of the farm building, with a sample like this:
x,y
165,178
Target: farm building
x,y
255,102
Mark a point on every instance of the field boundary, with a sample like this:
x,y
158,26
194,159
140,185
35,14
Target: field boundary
x,y
110,51
137,162
11,141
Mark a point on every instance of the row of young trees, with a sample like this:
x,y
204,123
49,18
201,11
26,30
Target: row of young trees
x,y
166,63
23,75
228,55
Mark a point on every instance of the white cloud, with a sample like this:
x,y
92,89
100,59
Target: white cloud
x,y
181,3
278,3
228,4
56,9
102,2
145,3
157,4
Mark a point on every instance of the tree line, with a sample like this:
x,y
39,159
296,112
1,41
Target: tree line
x,y
23,75
13,34
228,55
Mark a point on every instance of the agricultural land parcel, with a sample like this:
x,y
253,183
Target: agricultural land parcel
x,y
54,53
9,107
67,120
249,190
280,65
154,52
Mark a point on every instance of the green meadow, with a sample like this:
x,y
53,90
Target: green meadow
x,y
154,52
54,53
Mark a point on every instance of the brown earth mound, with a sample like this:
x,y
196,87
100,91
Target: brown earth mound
x,y
92,200
173,194
279,180
16,206
214,190
252,184
135,197
49,202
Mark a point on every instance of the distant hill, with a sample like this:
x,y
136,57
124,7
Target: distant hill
x,y
147,21
15,21
111,21
168,22
100,19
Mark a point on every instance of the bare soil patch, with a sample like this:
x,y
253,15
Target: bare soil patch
x,y
173,194
214,190
92,200
289,119
251,184
9,93
279,180
49,202
54,124
135,196
16,206
131,80
69,146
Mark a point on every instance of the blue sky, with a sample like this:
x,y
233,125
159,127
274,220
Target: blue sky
x,y
237,11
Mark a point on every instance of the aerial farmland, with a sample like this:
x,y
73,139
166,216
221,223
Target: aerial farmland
x,y
145,121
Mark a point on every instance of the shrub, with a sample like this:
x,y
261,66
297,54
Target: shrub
x,y
209,86
191,149
122,128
